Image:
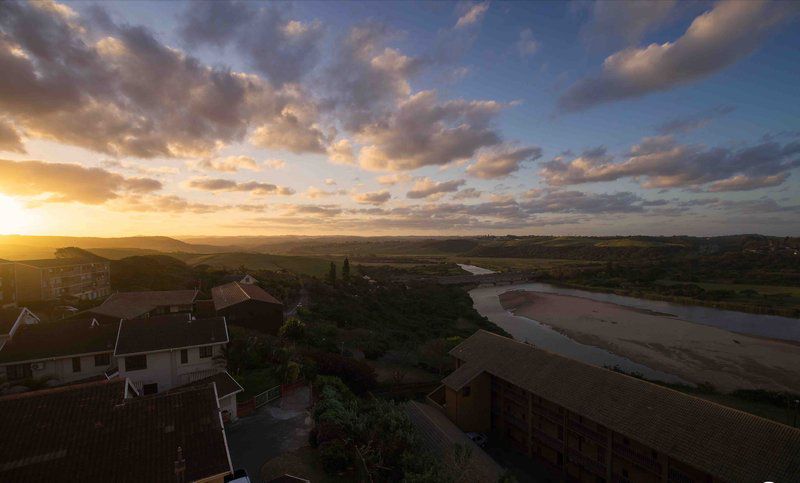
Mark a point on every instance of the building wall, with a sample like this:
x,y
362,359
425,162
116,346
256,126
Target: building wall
x,y
228,407
165,368
8,290
86,281
28,282
470,407
253,314
61,369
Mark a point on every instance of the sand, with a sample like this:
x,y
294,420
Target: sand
x,y
695,352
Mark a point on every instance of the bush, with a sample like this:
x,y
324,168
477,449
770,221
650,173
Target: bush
x,y
358,376
292,329
335,457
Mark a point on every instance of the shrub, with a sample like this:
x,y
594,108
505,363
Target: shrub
x,y
293,329
335,457
358,376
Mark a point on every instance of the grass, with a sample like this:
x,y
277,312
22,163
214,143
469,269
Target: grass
x,y
313,266
501,264
737,287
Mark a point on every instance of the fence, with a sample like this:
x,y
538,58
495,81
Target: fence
x,y
267,396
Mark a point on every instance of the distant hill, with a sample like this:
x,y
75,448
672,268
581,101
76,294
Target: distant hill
x,y
151,272
20,247
260,261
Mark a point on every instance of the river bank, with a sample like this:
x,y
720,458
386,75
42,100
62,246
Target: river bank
x,y
694,352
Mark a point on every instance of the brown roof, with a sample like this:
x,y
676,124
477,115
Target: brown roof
x,y
89,432
129,305
7,319
732,445
63,338
235,293
164,332
226,384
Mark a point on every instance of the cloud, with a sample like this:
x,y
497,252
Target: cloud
x,y
716,39
372,198
526,44
116,89
580,202
252,187
472,15
426,188
330,182
425,132
61,182
623,22
341,152
393,179
165,204
499,163
467,194
660,162
230,164
282,49
314,192
275,163
10,140
684,124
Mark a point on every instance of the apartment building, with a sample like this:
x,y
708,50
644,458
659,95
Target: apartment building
x,y
140,305
58,278
8,288
248,305
104,431
589,424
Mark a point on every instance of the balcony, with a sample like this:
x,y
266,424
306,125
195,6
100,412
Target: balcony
x,y
516,422
541,410
548,440
584,461
634,456
195,376
520,401
587,431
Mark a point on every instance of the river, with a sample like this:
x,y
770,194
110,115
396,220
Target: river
x,y
487,303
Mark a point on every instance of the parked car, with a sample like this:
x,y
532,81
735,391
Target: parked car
x,y
478,438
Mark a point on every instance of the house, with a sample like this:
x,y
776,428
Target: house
x,y
166,351
66,351
8,288
139,305
587,423
248,306
103,431
243,278
11,319
59,278
227,389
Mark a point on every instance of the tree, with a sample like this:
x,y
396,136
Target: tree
x,y
346,270
332,275
292,329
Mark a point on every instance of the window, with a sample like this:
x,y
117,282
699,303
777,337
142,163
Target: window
x,y
101,360
466,391
136,363
76,364
18,371
184,356
205,352
149,389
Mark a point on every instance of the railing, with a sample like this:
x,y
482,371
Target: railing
x,y
545,438
584,461
196,376
541,410
516,422
267,396
638,458
587,431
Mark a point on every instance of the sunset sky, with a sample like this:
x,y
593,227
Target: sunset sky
x,y
400,118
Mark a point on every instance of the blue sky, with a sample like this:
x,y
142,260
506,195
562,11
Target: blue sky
x,y
401,118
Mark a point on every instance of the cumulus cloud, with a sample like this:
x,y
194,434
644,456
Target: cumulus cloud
x,y
252,187
313,192
580,202
468,194
426,188
341,152
61,182
526,44
425,132
275,163
684,124
230,164
117,89
660,162
472,15
330,182
282,49
372,198
716,39
623,22
163,204
499,163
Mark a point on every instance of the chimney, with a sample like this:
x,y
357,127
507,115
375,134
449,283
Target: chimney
x,y
180,467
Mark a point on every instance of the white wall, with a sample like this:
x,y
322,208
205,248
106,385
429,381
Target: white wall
x,y
62,369
228,404
165,368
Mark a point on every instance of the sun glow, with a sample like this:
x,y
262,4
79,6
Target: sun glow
x,y
13,219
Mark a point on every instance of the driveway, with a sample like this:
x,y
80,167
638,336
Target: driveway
x,y
274,429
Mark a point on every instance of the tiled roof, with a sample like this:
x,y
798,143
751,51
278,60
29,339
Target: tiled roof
x,y
129,305
226,384
59,262
166,332
7,319
62,338
729,444
235,293
90,433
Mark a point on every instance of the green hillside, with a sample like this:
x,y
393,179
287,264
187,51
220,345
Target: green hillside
x,y
313,266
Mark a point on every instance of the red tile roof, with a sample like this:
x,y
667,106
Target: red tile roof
x,y
235,293
729,444
90,433
62,338
165,332
129,305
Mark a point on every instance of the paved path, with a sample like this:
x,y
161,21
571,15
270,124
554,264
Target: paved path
x,y
272,430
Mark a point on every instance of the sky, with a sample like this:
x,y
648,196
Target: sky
x,y
400,118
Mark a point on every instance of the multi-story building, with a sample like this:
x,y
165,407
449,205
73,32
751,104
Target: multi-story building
x,y
589,424
60,278
8,289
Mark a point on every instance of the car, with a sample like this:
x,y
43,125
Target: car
x,y
478,438
238,476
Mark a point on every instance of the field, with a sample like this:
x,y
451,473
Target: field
x,y
738,287
313,266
